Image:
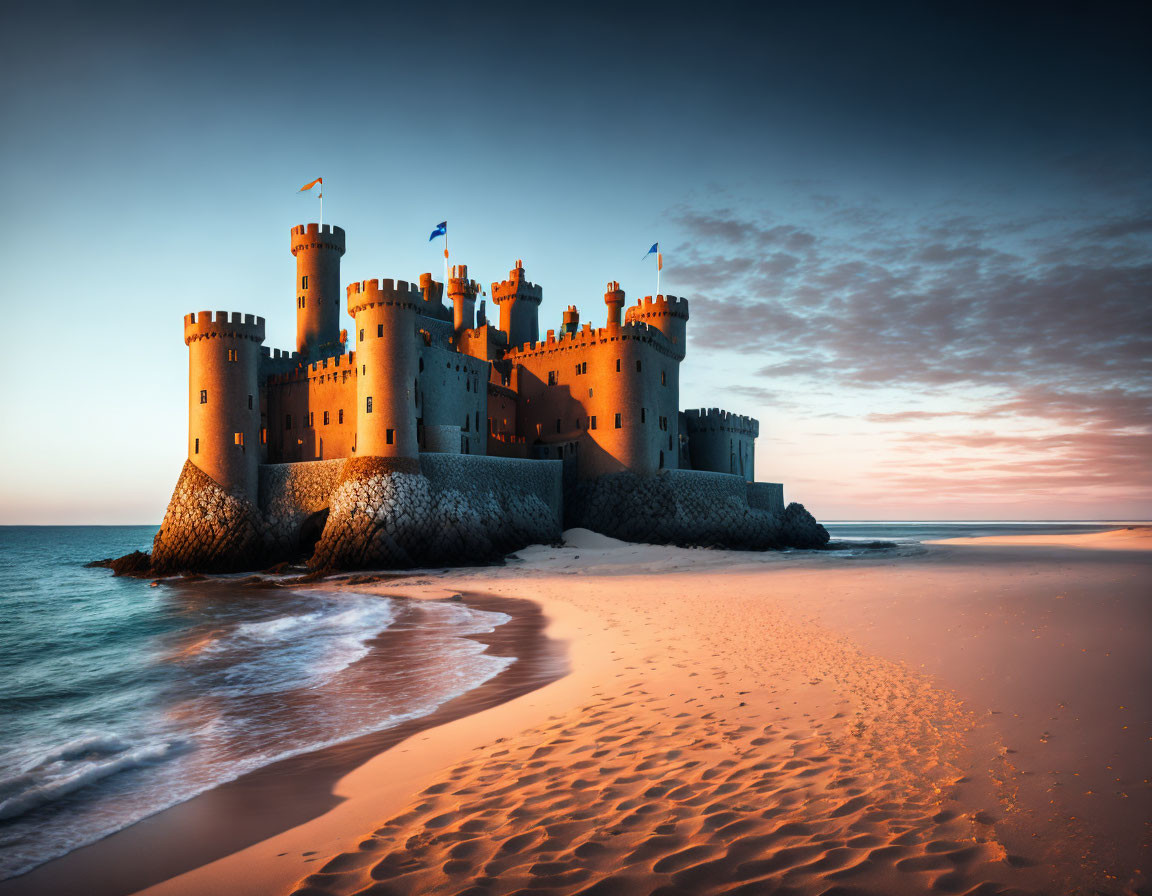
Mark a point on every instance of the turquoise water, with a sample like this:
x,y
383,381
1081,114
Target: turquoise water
x,y
120,699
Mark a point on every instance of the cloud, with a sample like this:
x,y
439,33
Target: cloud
x,y
1041,323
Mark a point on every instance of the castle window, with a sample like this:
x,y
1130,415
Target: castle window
x,y
643,414
584,367
325,418
301,301
617,365
232,354
361,334
203,396
249,402
389,435
589,392
421,365
263,435
340,415
637,365
669,443
363,369
238,438
557,424
287,421
577,370
661,460
551,377
379,330
592,422
468,385
368,409
197,451
617,421
304,282
663,377
311,419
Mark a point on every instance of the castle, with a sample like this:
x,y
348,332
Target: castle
x,y
416,381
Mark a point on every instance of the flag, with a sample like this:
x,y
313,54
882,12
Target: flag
x,y
307,187
655,249
441,230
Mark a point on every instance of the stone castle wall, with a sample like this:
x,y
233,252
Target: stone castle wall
x,y
690,508
766,496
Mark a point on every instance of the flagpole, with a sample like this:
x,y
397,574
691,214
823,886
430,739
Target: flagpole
x,y
445,259
321,208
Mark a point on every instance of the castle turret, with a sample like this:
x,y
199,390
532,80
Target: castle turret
x,y
614,299
223,397
722,442
462,292
317,250
519,303
571,320
386,353
668,314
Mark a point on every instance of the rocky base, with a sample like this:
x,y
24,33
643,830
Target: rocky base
x,y
207,529
385,514
688,509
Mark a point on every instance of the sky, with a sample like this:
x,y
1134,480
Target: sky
x,y
916,239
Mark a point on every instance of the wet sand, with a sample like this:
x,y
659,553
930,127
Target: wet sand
x,y
959,718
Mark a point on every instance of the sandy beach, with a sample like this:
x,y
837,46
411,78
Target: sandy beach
x,y
958,718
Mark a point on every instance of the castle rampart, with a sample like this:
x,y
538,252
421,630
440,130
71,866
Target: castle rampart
x,y
668,314
721,442
519,302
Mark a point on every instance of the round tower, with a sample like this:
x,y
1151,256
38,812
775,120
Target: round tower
x,y
668,314
519,302
462,292
317,250
614,299
224,397
571,320
387,361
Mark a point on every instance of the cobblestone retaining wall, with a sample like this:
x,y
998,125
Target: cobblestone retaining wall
x,y
766,496
290,494
451,509
208,529
690,508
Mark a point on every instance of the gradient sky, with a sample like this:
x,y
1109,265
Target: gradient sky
x,y
916,240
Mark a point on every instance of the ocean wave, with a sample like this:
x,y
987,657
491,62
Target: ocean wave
x,y
300,650
72,766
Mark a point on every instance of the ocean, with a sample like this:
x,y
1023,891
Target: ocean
x,y
120,699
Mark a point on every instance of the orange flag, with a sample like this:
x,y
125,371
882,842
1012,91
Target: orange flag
x,y
306,187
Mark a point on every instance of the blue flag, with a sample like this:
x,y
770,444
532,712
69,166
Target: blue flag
x,y
441,230
655,248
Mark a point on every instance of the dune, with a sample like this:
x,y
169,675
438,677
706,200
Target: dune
x,y
743,723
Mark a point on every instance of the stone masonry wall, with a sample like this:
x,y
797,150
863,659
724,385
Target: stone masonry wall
x,y
290,494
766,496
208,529
689,508
386,513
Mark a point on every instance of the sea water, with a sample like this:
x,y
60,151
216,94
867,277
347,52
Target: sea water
x,y
119,699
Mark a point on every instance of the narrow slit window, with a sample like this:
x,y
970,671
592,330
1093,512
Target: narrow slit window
x,y
390,435
617,365
197,450
304,282
203,396
379,330
238,438
340,415
618,421
311,419
250,402
663,377
325,418
637,365
361,334
592,422
368,409
643,414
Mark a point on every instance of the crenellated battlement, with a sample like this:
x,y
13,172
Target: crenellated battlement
x,y
366,293
315,236
588,335
459,284
516,287
653,306
308,370
235,325
715,419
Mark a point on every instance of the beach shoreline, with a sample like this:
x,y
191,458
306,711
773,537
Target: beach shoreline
x,y
779,717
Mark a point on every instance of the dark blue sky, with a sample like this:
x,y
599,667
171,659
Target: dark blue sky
x,y
963,186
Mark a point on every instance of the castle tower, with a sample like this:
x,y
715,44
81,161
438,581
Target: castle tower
x,y
224,397
519,303
668,314
317,252
571,320
614,299
462,292
386,353
722,442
